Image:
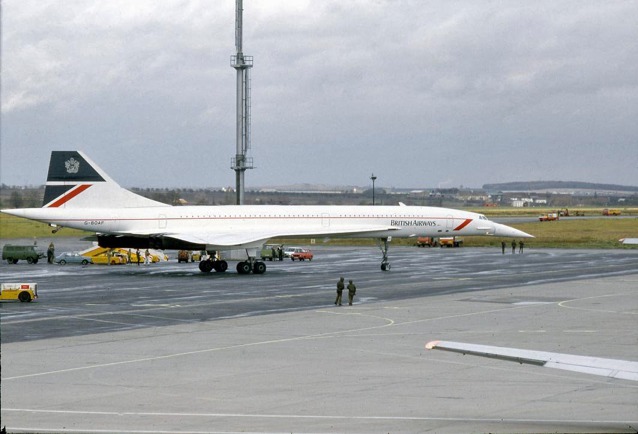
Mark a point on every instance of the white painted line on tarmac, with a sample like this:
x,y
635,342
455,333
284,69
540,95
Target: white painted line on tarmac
x,y
305,416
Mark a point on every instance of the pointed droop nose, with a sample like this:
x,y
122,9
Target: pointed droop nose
x,y
506,231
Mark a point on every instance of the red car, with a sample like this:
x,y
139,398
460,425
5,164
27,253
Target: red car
x,y
301,255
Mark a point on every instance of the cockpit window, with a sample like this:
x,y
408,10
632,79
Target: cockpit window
x,y
482,217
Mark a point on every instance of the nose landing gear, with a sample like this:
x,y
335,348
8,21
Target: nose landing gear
x,y
383,246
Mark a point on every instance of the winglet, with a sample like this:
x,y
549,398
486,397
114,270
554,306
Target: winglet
x,y
430,345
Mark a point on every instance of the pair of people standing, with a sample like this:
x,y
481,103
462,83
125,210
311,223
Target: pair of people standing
x,y
352,290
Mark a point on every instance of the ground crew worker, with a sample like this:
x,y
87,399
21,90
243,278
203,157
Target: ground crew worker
x,y
147,257
503,246
520,246
137,255
352,290
513,246
50,253
340,287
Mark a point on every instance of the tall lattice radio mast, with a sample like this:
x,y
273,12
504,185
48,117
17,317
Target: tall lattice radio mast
x,y
242,65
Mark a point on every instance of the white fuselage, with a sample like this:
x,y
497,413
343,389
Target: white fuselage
x,y
276,221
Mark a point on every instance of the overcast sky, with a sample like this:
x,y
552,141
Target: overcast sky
x,y
422,93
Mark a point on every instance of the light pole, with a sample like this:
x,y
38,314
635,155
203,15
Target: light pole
x,y
373,178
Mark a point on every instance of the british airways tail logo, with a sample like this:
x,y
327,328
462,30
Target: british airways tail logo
x,y
72,165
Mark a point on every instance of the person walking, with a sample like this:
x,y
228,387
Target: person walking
x,y
352,290
50,253
503,246
340,286
147,257
513,246
137,255
520,246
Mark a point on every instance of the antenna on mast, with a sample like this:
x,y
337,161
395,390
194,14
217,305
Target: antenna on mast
x,y
242,64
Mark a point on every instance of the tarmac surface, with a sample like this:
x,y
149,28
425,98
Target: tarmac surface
x,y
165,348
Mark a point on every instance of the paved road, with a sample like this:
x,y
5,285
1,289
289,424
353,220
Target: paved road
x,y
164,348
76,300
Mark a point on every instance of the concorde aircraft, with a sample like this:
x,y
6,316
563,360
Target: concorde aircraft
x,y
80,195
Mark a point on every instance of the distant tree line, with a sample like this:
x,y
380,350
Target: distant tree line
x,y
556,185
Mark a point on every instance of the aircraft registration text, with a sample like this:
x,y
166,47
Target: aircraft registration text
x,y
93,222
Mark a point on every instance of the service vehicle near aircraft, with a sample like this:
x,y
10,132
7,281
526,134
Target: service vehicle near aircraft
x,y
114,258
549,217
450,242
289,251
79,194
196,255
427,242
23,292
270,252
72,258
566,213
611,212
184,256
14,253
301,254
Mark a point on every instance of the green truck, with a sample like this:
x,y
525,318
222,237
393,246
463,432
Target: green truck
x,y
13,253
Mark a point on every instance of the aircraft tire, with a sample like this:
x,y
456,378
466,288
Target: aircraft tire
x,y
206,266
259,268
243,268
220,266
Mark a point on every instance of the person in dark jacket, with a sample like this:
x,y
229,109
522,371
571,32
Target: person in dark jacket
x,y
340,287
352,290
50,253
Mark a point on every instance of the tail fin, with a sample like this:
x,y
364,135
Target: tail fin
x,y
74,181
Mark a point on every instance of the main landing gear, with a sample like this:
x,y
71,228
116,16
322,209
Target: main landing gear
x,y
243,267
208,265
383,246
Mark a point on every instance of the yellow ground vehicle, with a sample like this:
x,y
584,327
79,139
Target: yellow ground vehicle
x,y
610,212
451,242
115,258
24,292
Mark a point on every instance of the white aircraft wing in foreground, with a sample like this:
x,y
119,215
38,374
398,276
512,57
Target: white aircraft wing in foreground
x,y
80,195
614,368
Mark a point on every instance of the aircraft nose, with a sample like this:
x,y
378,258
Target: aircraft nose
x,y
506,231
